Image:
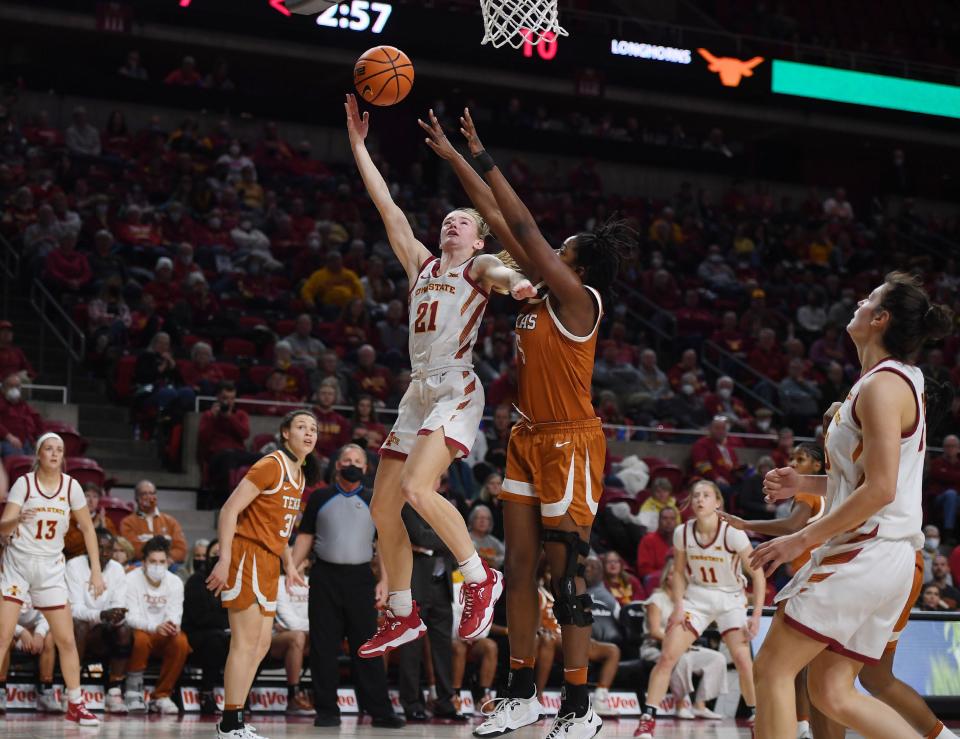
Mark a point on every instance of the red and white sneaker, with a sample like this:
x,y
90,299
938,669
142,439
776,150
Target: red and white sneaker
x,y
648,724
394,631
478,600
78,713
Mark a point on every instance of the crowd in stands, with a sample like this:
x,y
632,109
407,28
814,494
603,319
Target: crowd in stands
x,y
202,264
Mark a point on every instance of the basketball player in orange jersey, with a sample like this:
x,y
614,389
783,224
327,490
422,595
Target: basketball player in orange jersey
x,y
840,611
254,531
556,454
440,413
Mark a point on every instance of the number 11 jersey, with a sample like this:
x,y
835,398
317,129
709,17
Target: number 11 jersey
x,y
714,564
269,519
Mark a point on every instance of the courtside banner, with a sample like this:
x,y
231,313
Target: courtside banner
x,y
21,696
863,88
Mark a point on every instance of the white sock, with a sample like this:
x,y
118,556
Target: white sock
x,y
600,693
74,695
400,602
472,569
945,733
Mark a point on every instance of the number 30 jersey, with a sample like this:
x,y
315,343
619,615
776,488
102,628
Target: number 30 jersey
x,y
269,519
445,313
714,564
43,533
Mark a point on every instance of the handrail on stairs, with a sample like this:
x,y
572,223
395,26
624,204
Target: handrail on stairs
x,y
58,321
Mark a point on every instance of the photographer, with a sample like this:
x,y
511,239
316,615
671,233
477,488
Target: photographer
x,y
221,439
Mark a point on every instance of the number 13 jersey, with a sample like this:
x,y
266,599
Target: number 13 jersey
x,y
714,564
43,534
269,519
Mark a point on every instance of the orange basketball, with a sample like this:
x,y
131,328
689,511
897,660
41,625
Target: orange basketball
x,y
383,75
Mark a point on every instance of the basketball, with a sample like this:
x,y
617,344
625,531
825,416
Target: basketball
x,y
383,75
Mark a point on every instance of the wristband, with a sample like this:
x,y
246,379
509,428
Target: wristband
x,y
485,161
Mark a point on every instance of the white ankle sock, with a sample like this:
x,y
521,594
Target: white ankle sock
x,y
74,695
945,733
400,602
472,569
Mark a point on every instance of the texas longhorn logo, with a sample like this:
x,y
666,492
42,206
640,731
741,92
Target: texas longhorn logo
x,y
731,70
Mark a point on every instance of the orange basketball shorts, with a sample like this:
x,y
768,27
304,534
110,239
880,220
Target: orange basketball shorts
x,y
254,578
908,606
557,466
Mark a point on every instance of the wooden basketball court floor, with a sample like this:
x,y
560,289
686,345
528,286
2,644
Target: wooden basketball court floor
x,y
30,726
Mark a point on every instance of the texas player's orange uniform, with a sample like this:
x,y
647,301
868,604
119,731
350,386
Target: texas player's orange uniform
x,y
263,531
557,451
816,503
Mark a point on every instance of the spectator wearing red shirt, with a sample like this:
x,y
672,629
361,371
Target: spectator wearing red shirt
x,y
729,337
944,482
663,290
688,364
12,358
134,231
176,225
622,585
371,378
42,132
767,358
186,75
367,429
162,287
724,403
201,372
296,378
333,429
694,321
302,223
504,390
758,316
714,458
65,268
781,454
221,439
656,548
276,392
20,425
184,265
20,212
116,139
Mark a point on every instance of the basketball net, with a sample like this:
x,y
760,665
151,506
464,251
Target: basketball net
x,y
517,22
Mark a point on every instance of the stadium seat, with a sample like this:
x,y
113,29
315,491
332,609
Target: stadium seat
x,y
230,371
258,375
260,440
74,445
116,509
236,475
249,322
123,378
84,470
17,465
285,326
234,347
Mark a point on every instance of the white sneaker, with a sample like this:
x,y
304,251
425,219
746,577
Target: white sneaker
x,y
114,702
164,706
707,714
134,702
685,709
601,703
803,730
508,714
575,727
244,732
47,702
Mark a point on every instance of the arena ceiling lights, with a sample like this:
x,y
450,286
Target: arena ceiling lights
x,y
862,88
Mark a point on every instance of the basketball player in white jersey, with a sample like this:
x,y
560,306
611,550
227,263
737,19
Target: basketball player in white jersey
x,y
37,514
839,612
709,556
441,410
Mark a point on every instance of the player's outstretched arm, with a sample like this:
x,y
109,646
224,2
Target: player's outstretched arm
x,y
479,193
798,518
565,285
489,271
411,253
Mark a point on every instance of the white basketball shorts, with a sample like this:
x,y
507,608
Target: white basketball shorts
x,y
451,399
703,606
44,579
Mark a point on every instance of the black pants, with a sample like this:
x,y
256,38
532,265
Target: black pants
x,y
210,647
434,598
342,604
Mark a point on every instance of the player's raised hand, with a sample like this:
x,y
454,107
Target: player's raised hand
x,y
469,131
437,139
523,290
771,554
780,484
217,579
357,125
735,521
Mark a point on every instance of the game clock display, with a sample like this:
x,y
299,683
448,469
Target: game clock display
x,y
358,15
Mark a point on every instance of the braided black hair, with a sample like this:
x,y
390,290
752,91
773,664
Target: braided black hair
x,y
601,251
814,451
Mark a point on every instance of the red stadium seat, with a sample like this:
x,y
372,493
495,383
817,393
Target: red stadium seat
x,y
285,326
123,378
17,465
116,509
74,445
84,470
234,347
249,322
662,468
258,375
260,440
230,371
236,475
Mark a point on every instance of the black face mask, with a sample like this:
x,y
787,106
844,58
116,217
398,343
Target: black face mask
x,y
200,565
209,564
351,474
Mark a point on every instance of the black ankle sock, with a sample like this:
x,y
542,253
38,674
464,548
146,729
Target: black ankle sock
x,y
574,699
650,710
46,686
231,720
3,684
291,692
520,683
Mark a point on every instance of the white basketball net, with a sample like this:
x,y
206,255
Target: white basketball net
x,y
517,22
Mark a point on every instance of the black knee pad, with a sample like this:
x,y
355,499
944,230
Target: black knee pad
x,y
568,607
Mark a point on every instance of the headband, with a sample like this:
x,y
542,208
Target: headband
x,y
44,437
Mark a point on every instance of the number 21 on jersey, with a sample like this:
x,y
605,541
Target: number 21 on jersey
x,y
422,325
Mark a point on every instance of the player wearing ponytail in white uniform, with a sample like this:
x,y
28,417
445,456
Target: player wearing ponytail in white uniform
x,y
841,609
441,410
37,515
